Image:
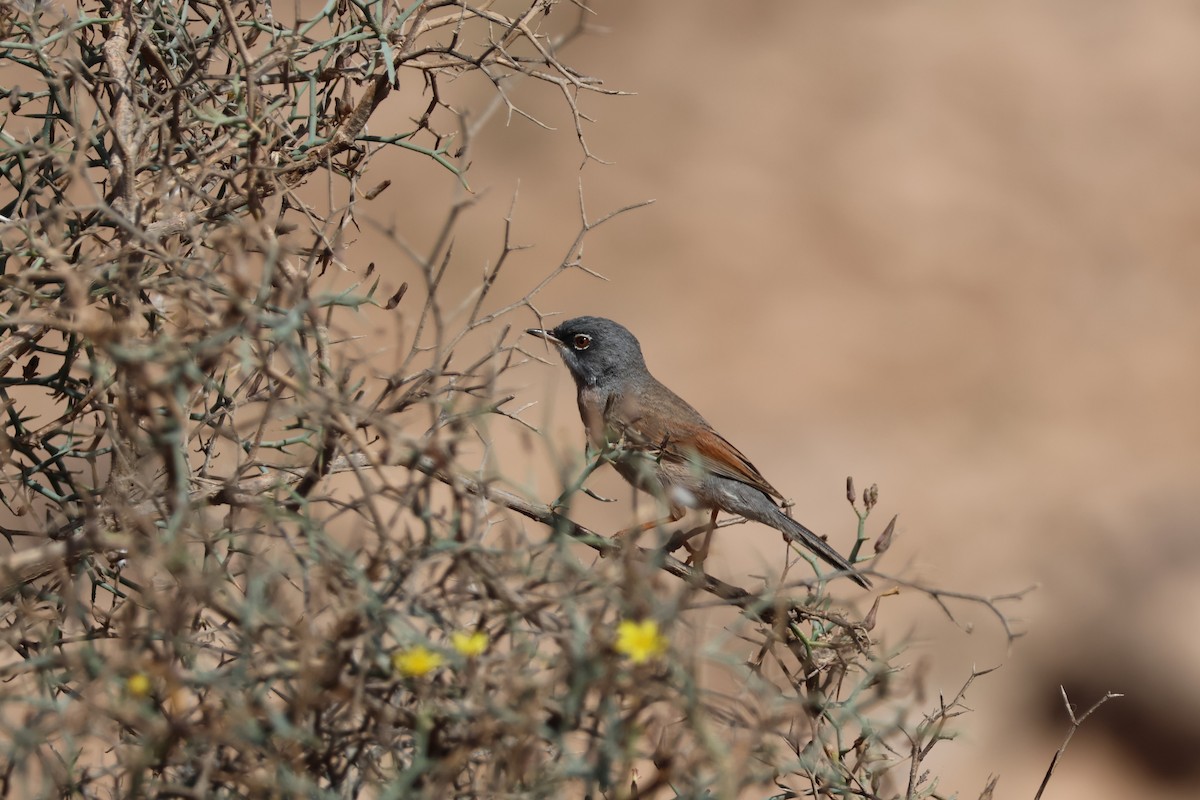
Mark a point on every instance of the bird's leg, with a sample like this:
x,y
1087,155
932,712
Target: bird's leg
x,y
675,515
697,556
682,538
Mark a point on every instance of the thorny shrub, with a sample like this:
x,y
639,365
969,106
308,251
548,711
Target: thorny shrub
x,y
246,560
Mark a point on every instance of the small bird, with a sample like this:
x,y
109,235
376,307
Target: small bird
x,y
659,443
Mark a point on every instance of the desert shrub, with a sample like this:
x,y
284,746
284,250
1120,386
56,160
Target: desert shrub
x,y
251,556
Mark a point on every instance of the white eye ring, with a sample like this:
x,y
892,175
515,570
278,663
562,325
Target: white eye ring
x,y
581,341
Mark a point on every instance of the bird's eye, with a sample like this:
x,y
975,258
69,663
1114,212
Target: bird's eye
x,y
582,341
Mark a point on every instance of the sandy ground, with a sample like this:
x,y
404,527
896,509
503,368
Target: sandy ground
x,y
949,248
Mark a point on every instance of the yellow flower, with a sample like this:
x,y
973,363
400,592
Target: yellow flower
x,y
469,644
416,661
138,685
640,641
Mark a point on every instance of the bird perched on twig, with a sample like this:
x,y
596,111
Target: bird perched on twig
x,y
662,445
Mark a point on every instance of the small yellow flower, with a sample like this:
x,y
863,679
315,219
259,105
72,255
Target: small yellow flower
x,y
138,685
416,661
640,641
469,644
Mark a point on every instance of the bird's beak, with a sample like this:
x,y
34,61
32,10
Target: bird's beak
x,y
541,334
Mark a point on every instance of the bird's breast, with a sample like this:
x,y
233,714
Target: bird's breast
x,y
592,405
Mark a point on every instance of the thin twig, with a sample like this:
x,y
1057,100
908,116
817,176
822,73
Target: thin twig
x,y
1076,721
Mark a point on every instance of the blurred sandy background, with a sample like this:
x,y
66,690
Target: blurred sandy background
x,y
950,248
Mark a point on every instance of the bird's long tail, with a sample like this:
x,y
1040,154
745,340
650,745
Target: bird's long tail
x,y
751,503
802,536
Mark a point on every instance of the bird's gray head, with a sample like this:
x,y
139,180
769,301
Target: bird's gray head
x,y
597,351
